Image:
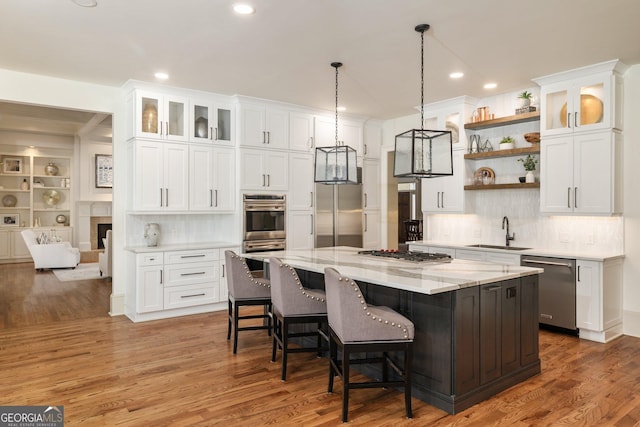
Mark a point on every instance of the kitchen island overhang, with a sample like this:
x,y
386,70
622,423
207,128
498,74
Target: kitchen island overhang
x,y
476,323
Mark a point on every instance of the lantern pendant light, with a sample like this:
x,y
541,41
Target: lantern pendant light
x,y
421,153
337,164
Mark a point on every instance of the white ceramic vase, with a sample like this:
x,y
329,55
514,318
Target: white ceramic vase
x,y
530,178
152,233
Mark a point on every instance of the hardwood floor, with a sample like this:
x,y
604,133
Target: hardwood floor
x,y
110,371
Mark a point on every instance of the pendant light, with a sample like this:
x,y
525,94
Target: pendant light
x,y
421,153
337,164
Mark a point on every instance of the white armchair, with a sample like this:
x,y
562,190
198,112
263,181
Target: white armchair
x,y
104,259
51,255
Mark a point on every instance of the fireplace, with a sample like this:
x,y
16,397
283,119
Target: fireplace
x,y
98,229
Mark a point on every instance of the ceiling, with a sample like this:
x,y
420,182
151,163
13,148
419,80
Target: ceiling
x,y
283,51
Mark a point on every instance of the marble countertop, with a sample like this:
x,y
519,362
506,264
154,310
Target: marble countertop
x,y
555,253
425,278
182,247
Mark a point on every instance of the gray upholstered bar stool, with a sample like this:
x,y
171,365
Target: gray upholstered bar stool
x,y
293,304
357,327
245,290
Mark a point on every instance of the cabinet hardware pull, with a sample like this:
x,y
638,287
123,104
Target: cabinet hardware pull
x,y
216,192
578,273
365,149
569,197
166,197
365,200
192,274
210,132
263,180
311,203
511,292
268,137
194,295
222,270
366,225
210,198
492,288
438,200
161,199
217,136
311,230
575,197
532,261
264,137
568,120
268,180
575,119
161,277
442,198
311,142
166,129
546,316
192,256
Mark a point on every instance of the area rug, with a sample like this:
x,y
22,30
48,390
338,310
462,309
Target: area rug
x,y
81,272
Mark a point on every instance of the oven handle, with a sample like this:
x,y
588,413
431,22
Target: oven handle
x,y
253,246
265,207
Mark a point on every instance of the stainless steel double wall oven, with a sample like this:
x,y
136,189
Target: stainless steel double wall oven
x,y
264,222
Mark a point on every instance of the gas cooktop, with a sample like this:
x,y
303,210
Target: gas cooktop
x,y
408,255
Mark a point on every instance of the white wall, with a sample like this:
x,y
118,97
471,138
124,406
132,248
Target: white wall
x,y
631,322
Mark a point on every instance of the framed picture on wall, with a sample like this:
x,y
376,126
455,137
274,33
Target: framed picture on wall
x,y
11,220
104,171
11,165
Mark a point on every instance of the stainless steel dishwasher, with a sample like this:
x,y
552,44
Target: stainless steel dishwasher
x,y
557,290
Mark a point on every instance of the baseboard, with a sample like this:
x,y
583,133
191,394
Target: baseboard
x,y
631,323
117,305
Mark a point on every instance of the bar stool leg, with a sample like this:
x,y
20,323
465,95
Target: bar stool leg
x,y
229,318
345,383
236,314
408,361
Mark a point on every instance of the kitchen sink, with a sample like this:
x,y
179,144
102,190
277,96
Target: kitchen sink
x,y
508,248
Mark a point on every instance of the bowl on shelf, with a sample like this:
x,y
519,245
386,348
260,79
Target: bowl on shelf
x,y
9,201
532,137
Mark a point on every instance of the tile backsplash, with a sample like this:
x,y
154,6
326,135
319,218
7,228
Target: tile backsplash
x,y
522,207
178,229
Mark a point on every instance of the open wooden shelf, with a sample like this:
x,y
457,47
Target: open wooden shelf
x,y
502,186
503,121
534,149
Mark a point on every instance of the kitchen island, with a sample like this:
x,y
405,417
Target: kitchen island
x,y
476,324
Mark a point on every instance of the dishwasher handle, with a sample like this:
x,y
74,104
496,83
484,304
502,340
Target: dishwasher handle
x,y
532,261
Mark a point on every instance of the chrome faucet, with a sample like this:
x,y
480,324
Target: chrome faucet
x,y
507,237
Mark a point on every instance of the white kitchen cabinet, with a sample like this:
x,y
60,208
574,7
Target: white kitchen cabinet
x,y
160,173
301,185
160,116
586,99
371,185
446,194
211,122
263,170
372,142
581,173
599,299
450,115
349,133
300,230
212,179
149,286
301,132
5,244
264,127
371,229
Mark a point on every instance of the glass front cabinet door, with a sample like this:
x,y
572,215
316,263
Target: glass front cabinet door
x,y
161,116
211,122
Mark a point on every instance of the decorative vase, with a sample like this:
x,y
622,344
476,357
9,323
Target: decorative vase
x,y
51,169
24,185
61,219
150,119
201,125
152,233
525,102
530,178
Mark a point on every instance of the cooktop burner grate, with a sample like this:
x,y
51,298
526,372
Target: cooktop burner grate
x,y
409,255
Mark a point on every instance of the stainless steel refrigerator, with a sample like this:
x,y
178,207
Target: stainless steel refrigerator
x,y
338,220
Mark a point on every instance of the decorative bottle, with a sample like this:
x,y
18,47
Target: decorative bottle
x,y
24,185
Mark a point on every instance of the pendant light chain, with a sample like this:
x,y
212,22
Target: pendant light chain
x,y
337,66
422,80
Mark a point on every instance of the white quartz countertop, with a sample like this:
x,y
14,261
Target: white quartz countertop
x,y
181,247
554,253
425,278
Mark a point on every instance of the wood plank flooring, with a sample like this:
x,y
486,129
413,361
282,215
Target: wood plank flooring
x,y
110,371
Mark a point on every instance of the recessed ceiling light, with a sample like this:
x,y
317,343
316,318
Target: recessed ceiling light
x,y
86,3
456,75
342,108
243,9
490,85
161,76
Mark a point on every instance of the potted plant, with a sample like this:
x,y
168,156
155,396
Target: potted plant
x,y
529,164
525,99
507,143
